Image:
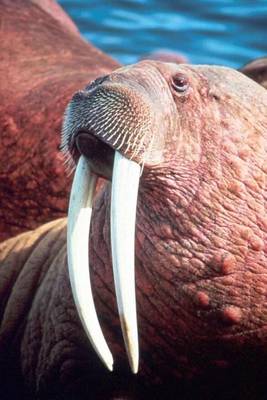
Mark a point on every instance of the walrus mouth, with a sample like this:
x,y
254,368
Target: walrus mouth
x,y
99,155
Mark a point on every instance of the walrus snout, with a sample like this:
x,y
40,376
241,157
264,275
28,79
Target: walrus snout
x,y
130,110
117,115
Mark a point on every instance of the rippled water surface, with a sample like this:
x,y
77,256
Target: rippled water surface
x,y
229,32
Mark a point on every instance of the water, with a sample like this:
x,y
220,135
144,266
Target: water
x,y
227,32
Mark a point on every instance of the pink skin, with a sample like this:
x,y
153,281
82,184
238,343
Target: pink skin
x,y
200,248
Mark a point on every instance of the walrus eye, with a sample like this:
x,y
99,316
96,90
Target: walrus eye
x,y
180,83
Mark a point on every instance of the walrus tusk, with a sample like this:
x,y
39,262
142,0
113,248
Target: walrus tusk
x,y
125,183
79,217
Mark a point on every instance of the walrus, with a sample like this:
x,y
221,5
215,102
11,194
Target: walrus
x,y
182,218
257,70
44,60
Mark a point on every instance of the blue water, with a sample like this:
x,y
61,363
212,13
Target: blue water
x,y
228,32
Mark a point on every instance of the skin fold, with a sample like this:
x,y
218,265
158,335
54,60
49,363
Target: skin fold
x,y
44,60
200,253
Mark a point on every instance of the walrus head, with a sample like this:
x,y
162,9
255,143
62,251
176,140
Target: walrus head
x,y
150,124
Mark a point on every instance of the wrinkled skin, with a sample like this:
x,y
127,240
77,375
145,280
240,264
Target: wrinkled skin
x,y
43,62
257,70
200,248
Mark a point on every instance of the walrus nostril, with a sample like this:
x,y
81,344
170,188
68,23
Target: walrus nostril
x,y
97,81
99,155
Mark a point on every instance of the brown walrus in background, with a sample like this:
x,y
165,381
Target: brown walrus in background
x,y
256,70
200,252
43,61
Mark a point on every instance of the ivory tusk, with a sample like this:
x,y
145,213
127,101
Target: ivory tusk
x,y
125,182
79,217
